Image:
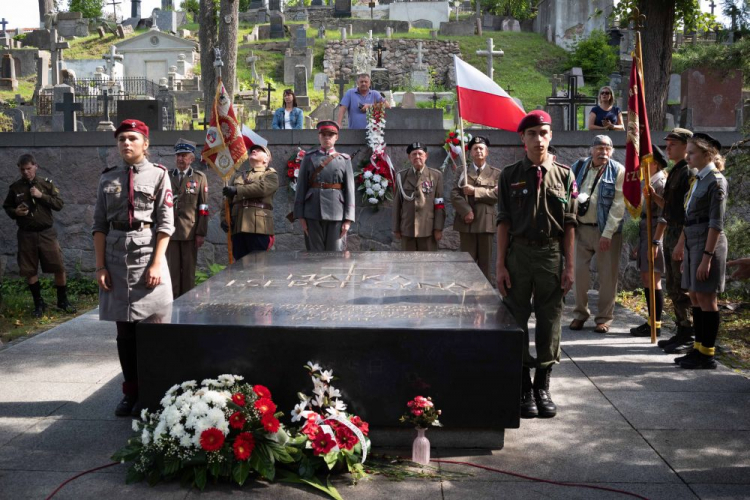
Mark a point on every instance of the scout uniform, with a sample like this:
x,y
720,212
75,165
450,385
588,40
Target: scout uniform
x,y
538,203
477,237
37,239
252,208
418,208
190,193
705,208
325,196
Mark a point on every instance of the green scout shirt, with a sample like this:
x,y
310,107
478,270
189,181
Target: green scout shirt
x,y
40,209
537,214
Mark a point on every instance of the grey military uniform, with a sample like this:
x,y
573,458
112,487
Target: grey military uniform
x,y
129,252
326,199
706,208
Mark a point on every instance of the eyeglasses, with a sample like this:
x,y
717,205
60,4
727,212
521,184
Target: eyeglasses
x,y
606,93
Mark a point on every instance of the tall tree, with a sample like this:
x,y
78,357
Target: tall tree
x,y
228,27
91,9
208,38
219,25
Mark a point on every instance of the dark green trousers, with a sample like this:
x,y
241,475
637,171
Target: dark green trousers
x,y
535,272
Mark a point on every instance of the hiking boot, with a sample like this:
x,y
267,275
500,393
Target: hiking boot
x,y
39,307
545,406
699,362
670,340
528,405
639,329
680,346
689,355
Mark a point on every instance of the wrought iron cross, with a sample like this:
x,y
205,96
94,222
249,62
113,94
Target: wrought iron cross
x,y
555,81
69,108
269,89
379,48
114,8
434,100
326,88
372,7
341,81
3,23
105,97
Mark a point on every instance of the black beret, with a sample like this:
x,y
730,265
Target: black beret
x,y
477,139
659,156
706,137
414,146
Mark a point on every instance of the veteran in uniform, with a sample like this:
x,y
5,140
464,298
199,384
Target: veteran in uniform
x,y
536,225
250,195
133,220
190,192
324,203
30,202
418,208
474,200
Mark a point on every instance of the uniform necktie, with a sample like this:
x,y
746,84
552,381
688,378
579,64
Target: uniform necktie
x,y
131,196
693,180
538,178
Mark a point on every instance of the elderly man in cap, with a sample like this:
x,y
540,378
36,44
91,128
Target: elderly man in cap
x,y
601,207
418,208
669,229
250,195
324,203
474,198
536,226
190,193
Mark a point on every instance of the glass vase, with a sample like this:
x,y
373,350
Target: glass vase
x,y
420,449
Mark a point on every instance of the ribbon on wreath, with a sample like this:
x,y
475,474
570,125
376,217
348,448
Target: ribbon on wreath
x,y
351,427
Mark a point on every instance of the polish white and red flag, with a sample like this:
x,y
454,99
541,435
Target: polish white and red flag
x,y
484,102
251,138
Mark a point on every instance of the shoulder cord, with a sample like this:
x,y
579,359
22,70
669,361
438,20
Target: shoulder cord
x,y
401,187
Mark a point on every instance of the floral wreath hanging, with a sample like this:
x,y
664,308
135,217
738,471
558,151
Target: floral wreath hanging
x,y
375,174
292,168
452,145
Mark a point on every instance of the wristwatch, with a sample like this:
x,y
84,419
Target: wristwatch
x,y
706,252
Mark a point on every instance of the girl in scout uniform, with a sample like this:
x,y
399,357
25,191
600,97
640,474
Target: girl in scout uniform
x,y
133,221
703,245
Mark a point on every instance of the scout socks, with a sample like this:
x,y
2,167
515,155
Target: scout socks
x,y
645,329
62,299
659,299
698,326
39,306
707,328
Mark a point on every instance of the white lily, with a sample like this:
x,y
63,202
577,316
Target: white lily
x,y
326,375
298,410
333,392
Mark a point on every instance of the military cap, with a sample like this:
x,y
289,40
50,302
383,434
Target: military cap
x,y
478,139
261,147
131,125
679,134
327,126
659,156
706,137
534,119
414,146
184,146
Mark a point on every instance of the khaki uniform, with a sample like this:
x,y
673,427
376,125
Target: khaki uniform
x,y
538,218
417,216
252,206
129,251
477,237
37,240
190,220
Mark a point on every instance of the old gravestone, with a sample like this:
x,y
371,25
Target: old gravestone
x,y
319,79
342,8
277,24
674,88
409,100
8,80
146,110
165,20
710,99
300,87
17,117
420,76
326,111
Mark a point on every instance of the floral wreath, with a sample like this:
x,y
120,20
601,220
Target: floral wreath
x,y
292,168
452,145
376,174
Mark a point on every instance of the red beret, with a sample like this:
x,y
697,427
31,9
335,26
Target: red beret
x,y
132,126
534,119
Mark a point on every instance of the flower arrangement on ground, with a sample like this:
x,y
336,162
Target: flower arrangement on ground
x,y
375,175
452,146
328,436
223,428
421,413
292,168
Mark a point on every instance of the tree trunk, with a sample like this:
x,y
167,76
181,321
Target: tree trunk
x,y
228,26
45,6
207,36
656,46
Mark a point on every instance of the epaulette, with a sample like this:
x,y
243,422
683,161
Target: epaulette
x,y
198,172
311,151
345,156
495,168
160,166
561,165
108,169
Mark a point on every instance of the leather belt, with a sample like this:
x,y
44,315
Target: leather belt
x,y
256,204
124,226
535,243
697,220
325,185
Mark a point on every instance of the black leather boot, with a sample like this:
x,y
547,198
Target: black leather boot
x,y
39,305
544,403
528,404
62,300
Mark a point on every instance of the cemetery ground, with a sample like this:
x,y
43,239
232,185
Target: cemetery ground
x,y
628,420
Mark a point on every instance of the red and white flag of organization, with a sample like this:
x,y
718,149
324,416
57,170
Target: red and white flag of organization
x,y
251,138
484,102
224,149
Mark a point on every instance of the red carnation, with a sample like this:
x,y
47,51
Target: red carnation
x,y
238,399
270,423
312,417
452,135
212,439
243,446
456,142
265,406
361,425
311,430
345,438
322,444
262,391
237,420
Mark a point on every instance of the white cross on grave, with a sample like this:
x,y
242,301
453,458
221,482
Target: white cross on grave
x,y
489,53
251,60
56,47
420,64
112,58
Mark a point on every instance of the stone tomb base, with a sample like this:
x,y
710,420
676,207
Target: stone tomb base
x,y
391,325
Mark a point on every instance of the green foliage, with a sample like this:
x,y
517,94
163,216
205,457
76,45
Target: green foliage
x,y
688,15
595,56
6,123
90,9
737,231
519,9
739,10
715,56
193,7
213,270
630,231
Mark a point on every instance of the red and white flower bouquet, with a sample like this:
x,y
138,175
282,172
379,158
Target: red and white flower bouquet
x,y
292,168
375,176
452,146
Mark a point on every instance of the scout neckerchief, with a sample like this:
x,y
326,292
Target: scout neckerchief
x,y
693,184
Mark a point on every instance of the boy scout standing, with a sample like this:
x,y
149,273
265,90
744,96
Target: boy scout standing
x,y
474,201
30,202
190,189
324,203
536,218
418,208
250,195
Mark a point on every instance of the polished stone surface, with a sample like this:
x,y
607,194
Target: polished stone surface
x,y
392,325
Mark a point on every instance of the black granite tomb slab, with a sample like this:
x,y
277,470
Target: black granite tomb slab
x,y
391,325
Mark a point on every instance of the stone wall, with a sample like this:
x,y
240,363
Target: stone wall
x,y
399,58
74,162
362,25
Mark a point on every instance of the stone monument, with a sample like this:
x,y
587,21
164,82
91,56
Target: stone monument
x,y
300,87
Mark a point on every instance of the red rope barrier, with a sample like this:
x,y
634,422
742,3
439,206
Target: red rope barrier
x,y
79,475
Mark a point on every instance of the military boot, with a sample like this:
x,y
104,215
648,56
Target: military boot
x,y
528,404
546,407
39,307
62,300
